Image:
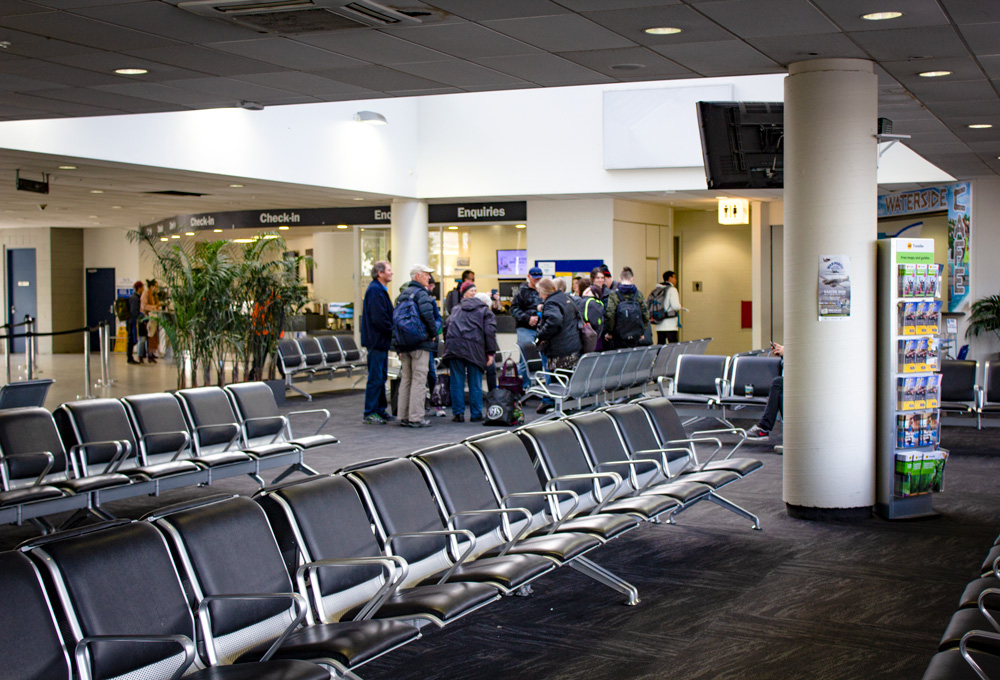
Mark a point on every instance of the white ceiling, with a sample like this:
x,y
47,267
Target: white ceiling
x,y
62,54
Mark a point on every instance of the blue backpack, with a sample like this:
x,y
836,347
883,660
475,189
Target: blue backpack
x,y
408,329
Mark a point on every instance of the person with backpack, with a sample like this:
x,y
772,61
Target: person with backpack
x,y
376,335
524,308
558,332
414,337
134,312
470,341
664,305
592,312
625,314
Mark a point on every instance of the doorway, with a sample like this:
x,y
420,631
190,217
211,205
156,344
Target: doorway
x,y
100,296
22,292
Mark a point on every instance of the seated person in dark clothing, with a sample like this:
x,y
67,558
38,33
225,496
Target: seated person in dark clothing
x,y
762,430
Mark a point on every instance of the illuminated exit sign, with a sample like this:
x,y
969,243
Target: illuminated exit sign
x,y
734,211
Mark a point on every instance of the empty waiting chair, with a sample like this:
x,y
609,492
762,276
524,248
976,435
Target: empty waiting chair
x,y
313,356
25,393
292,363
332,354
960,394
565,386
353,356
990,397
322,519
748,385
261,422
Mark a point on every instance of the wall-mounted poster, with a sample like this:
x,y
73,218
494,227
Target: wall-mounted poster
x,y
834,290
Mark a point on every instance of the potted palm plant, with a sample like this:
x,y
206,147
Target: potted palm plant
x,y
984,318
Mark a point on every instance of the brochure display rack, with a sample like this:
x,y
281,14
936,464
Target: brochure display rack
x,y
909,462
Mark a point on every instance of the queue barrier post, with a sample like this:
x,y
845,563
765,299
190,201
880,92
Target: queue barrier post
x,y
86,363
29,346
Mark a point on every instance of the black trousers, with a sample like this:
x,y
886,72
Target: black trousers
x,y
774,404
663,337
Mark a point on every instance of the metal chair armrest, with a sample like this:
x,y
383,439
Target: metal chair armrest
x,y
552,497
742,433
505,514
560,377
124,449
149,435
981,603
963,648
613,476
297,600
236,433
454,533
310,411
49,462
185,643
632,465
395,566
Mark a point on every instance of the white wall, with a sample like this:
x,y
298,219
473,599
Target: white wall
x,y
570,230
984,248
333,276
110,248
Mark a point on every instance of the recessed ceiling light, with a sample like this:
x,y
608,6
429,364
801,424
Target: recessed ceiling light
x,y
93,217
359,198
189,233
164,238
283,228
97,191
934,74
343,226
662,30
242,240
175,236
116,207
980,126
453,228
67,167
520,226
217,231
235,186
4,44
270,236
131,71
881,16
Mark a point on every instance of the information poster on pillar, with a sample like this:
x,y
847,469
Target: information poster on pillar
x,y
834,290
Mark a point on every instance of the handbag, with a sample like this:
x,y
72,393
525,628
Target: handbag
x,y
441,394
509,379
502,409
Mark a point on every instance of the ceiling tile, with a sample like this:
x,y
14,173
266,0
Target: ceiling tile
x,y
982,38
790,49
306,83
966,90
561,33
165,93
992,66
484,10
106,63
714,58
963,108
985,147
906,72
379,78
92,97
918,127
847,14
26,101
35,46
767,18
228,88
972,11
943,148
202,60
15,7
58,73
466,41
77,29
632,22
76,4
909,43
371,46
545,69
287,54
461,74
654,65
159,18
595,5
12,83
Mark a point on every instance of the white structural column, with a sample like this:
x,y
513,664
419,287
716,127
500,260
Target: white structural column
x,y
760,272
409,239
830,209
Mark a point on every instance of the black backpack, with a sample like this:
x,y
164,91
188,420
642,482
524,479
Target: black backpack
x,y
628,321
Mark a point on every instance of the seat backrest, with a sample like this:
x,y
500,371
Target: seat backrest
x,y
158,422
529,352
633,357
459,483
600,437
991,379
210,409
25,393
613,378
332,353
290,355
559,453
638,434
599,373
756,371
580,378
665,419
323,518
659,367
29,430
645,371
400,501
253,400
118,579
349,348
226,547
312,353
96,420
696,374
29,636
680,349
510,468
958,379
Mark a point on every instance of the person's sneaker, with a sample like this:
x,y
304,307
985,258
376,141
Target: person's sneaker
x,y
545,408
373,419
416,423
439,412
757,432
387,417
458,419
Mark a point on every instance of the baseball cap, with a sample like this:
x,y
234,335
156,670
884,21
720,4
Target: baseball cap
x,y
535,273
417,268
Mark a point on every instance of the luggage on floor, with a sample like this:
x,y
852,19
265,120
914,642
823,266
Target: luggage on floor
x,y
502,408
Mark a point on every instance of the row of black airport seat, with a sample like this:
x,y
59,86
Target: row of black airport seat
x,y
311,356
314,578
961,395
91,452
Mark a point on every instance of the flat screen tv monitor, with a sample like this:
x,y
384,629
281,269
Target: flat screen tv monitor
x,y
742,144
512,264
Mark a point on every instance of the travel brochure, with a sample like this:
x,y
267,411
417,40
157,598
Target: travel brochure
x,y
918,392
919,280
919,472
918,355
834,290
917,429
919,318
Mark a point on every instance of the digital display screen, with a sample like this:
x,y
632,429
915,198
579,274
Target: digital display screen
x,y
512,264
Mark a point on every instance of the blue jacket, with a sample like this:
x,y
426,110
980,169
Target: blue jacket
x,y
376,318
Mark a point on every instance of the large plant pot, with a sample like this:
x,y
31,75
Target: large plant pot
x,y
278,387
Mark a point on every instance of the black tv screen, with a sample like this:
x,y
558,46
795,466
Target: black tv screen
x,y
742,144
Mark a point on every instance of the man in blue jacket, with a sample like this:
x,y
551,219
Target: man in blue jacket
x,y
376,335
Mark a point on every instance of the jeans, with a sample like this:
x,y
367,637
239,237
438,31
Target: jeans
x,y
460,370
524,336
774,404
378,372
413,384
432,375
133,340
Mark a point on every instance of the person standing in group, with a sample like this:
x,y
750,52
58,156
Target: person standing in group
x,y
470,342
592,312
455,296
524,309
414,336
134,312
149,302
491,368
376,335
558,333
664,318
431,368
625,314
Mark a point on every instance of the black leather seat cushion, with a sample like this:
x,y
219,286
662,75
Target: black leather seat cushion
x,y
226,458
510,571
691,398
560,546
446,601
29,494
604,525
741,466
644,506
713,478
950,665
160,470
683,492
970,596
987,566
272,670
94,483
315,440
265,450
352,643
961,623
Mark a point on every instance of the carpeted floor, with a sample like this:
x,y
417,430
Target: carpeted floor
x,y
796,600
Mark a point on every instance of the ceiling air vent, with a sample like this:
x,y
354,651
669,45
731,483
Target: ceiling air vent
x,y
300,16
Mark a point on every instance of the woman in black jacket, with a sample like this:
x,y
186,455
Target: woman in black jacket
x,y
470,342
558,332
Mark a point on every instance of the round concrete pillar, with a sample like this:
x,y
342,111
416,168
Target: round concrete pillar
x,y
831,106
409,239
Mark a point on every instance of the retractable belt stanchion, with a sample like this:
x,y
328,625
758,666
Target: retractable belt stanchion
x,y
103,337
29,346
86,363
30,336
6,354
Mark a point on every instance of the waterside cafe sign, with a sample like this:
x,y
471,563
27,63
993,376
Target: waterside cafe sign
x,y
454,213
956,200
